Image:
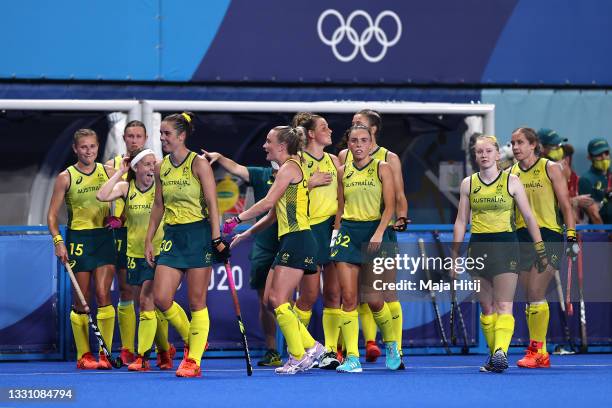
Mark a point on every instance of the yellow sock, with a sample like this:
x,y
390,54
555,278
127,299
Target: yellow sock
x,y
307,340
384,320
198,334
504,329
303,315
161,333
178,318
331,327
349,326
127,324
80,331
106,324
397,322
539,315
146,331
487,322
368,325
290,326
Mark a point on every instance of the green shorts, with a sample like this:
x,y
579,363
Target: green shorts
x,y
352,240
554,248
89,249
322,234
493,254
261,262
120,235
297,250
186,246
138,271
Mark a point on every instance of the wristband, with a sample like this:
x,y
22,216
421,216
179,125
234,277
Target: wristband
x,y
540,248
571,233
57,239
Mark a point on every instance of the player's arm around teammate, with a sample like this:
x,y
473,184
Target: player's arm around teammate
x,y
89,247
296,256
184,183
367,188
134,137
491,195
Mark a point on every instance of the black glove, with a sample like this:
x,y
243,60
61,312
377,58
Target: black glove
x,y
221,249
542,259
401,224
572,248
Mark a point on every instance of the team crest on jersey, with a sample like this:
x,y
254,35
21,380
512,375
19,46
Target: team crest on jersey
x,y
309,260
79,180
477,189
285,257
513,265
499,188
185,171
370,171
536,172
208,257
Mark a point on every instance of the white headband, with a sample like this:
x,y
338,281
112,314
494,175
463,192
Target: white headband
x,y
139,157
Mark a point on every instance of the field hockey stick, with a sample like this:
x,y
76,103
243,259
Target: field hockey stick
x,y
245,345
584,347
456,315
116,363
568,300
434,303
565,326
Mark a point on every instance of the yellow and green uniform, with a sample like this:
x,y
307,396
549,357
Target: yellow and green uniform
x,y
323,202
493,233
120,233
187,236
545,208
363,207
138,211
297,247
89,244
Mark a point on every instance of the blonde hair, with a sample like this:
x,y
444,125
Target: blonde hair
x,y
293,137
487,138
83,133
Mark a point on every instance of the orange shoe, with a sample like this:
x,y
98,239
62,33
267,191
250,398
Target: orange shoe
x,y
139,364
339,354
372,351
189,368
103,363
87,362
164,358
533,359
127,356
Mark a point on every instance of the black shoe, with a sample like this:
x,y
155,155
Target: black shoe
x,y
499,361
487,367
329,361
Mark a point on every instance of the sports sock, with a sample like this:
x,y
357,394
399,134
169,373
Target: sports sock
x,y
198,334
383,320
80,331
161,333
307,340
487,322
397,322
106,324
331,327
303,315
539,314
146,331
290,326
127,324
368,325
349,325
178,318
504,328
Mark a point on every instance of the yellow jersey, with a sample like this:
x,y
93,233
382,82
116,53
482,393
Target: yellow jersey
x,y
323,200
363,192
182,192
292,207
119,203
84,209
540,194
138,205
492,204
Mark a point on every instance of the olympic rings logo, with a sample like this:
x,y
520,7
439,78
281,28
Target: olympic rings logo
x,y
359,42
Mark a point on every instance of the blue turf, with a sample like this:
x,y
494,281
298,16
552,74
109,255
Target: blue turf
x,y
428,381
